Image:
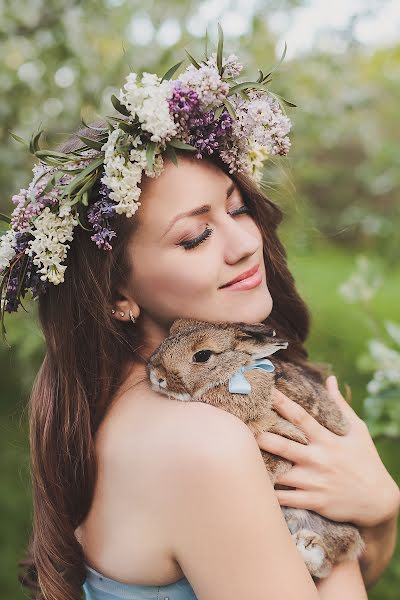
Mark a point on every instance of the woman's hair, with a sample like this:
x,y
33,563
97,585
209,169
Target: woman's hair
x,y
87,351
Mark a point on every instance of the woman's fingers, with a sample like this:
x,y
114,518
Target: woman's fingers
x,y
296,477
297,415
277,444
297,499
334,392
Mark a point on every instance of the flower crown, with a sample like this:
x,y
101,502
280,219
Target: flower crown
x,y
204,110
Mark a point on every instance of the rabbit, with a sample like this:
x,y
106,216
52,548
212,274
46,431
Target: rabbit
x,y
195,363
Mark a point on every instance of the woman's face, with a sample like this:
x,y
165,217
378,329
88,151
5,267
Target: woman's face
x,y
169,280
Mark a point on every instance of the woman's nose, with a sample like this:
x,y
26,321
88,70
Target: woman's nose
x,y
240,240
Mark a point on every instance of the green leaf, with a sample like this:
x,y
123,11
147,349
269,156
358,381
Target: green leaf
x,y
193,60
80,222
54,154
150,151
288,103
170,152
86,171
19,139
128,128
179,144
218,112
246,84
85,198
95,144
54,179
244,95
119,106
4,218
171,71
34,143
230,108
261,77
220,48
91,127
278,63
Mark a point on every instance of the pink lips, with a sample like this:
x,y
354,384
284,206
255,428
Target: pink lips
x,y
253,280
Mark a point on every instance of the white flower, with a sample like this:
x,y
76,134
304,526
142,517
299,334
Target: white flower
x,y
207,83
7,251
363,284
123,175
48,246
231,65
149,101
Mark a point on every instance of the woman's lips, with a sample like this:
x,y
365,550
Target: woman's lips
x,y
245,284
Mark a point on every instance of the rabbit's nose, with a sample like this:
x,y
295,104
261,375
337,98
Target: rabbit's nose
x,y
157,381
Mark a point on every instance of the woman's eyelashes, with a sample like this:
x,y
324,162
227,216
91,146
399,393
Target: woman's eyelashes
x,y
189,244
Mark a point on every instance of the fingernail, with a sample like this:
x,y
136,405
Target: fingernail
x,y
334,382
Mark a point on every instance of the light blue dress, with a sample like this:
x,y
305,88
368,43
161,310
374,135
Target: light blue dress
x,y
99,587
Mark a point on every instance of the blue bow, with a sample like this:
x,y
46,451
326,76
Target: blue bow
x,y
238,383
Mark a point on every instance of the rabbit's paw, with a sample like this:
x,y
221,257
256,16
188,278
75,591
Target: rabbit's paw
x,y
310,546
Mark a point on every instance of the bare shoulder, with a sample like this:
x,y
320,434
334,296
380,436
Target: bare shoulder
x,y
171,426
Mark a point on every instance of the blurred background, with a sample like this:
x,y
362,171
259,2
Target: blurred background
x,y
338,188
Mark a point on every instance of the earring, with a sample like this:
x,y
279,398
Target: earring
x,y
122,313
113,311
131,316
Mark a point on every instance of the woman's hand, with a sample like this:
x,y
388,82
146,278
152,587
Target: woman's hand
x,y
340,477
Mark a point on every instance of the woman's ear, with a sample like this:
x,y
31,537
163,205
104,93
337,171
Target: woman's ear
x,y
121,306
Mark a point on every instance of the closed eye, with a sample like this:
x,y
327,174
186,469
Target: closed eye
x,y
189,244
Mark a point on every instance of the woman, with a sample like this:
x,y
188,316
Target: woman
x,y
140,496
149,515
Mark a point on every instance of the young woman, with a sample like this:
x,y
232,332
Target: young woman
x,y
149,497
137,495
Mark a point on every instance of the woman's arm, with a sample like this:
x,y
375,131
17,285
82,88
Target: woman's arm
x,y
225,525
380,545
344,582
359,490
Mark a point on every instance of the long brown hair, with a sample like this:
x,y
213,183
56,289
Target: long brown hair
x,y
86,354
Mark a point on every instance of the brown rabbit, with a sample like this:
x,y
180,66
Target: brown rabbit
x,y
198,362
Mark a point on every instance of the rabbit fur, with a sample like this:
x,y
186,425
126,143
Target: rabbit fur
x,y
195,362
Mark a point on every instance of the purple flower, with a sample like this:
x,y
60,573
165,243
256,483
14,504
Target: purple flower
x,y
208,135
98,215
101,238
22,267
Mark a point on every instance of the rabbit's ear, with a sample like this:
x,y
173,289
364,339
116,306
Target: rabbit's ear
x,y
257,339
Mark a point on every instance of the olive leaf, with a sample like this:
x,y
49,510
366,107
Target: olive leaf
x,y
119,106
193,60
170,152
19,139
218,112
171,71
150,151
278,63
230,108
179,144
4,218
94,144
220,49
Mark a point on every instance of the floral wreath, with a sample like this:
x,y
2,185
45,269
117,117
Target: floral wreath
x,y
204,110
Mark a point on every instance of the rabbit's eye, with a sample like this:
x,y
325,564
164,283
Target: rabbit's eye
x,y
202,356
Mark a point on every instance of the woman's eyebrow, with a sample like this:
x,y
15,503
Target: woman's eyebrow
x,y
199,210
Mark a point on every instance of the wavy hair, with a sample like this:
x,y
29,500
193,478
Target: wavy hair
x,y
87,351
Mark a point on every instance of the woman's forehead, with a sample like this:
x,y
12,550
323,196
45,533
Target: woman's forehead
x,y
192,183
